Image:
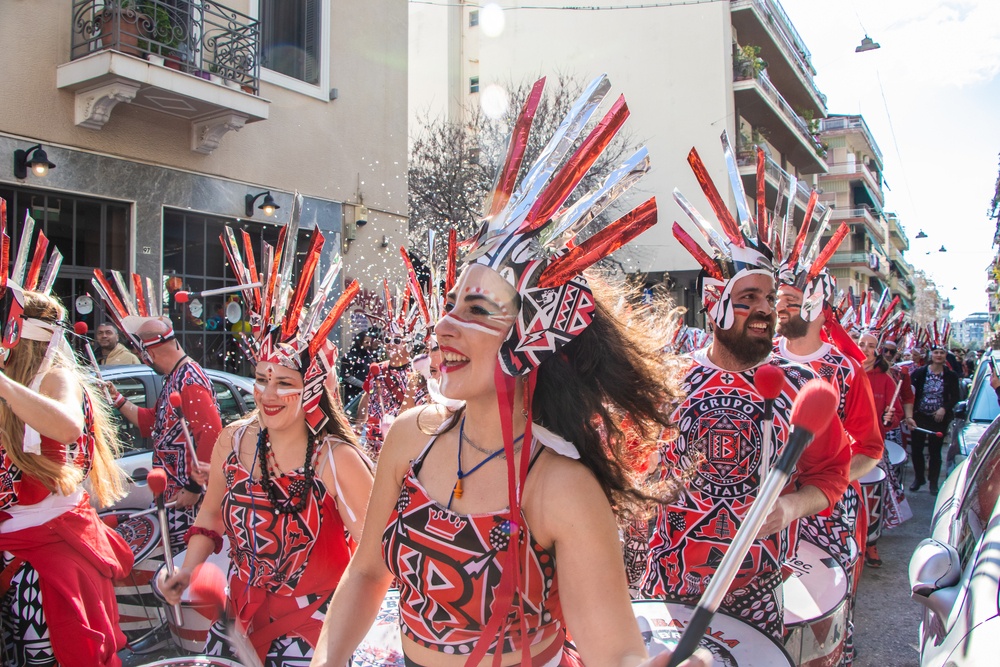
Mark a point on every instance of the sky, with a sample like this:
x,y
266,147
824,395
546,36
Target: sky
x,y
931,97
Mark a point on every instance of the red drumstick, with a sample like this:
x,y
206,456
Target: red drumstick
x,y
157,480
768,381
208,591
924,430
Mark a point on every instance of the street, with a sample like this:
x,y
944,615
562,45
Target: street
x,y
886,620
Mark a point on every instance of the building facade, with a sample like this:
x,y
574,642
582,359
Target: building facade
x,y
168,119
689,73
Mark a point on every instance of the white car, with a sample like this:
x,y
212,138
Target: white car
x,y
954,573
141,385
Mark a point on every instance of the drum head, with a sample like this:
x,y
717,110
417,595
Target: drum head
x,y
382,646
817,587
141,534
875,476
194,661
894,453
732,642
219,560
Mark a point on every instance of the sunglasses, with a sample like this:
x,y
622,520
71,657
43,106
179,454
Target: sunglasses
x,y
396,341
889,352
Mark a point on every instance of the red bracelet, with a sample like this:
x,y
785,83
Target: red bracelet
x,y
120,401
207,532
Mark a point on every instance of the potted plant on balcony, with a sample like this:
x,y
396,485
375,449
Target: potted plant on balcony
x,y
164,36
122,25
747,63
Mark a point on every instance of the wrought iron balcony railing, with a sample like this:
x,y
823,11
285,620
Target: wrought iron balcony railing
x,y
198,37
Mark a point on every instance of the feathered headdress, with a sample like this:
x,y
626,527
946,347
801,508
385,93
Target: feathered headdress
x,y
130,305
284,330
529,232
875,318
742,252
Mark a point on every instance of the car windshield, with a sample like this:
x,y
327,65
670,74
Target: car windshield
x,y
985,407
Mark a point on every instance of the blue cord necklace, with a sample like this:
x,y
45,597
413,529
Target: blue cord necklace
x,y
456,491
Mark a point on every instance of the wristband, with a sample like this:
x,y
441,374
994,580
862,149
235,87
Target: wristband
x,y
207,532
120,401
194,487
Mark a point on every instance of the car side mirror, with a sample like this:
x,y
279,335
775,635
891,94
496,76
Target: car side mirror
x,y
934,572
961,408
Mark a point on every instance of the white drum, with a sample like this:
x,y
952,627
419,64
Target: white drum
x,y
193,633
873,493
896,456
138,608
815,608
732,642
382,646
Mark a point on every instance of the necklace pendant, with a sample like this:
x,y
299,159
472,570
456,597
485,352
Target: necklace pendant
x,y
458,488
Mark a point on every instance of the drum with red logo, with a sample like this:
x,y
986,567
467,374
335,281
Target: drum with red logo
x,y
732,642
138,608
873,491
382,646
815,608
193,632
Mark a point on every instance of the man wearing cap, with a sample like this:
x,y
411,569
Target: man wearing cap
x,y
720,442
110,351
199,408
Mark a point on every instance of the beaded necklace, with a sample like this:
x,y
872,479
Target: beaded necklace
x,y
456,491
298,489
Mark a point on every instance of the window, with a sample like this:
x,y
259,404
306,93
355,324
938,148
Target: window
x,y
980,496
134,390
229,407
473,84
290,38
473,18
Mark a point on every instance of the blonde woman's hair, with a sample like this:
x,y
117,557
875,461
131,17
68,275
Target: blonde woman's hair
x,y
106,481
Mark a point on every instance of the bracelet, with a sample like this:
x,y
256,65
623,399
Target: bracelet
x,y
120,401
194,487
207,532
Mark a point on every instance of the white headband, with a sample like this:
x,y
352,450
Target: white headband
x,y
42,331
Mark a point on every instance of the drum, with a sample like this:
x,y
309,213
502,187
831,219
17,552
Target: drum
x,y
896,456
194,661
815,608
382,647
873,489
732,642
193,633
138,608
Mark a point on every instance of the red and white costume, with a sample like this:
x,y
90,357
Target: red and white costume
x,y
721,420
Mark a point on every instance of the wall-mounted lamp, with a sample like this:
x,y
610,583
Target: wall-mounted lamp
x,y
361,215
268,205
39,162
385,241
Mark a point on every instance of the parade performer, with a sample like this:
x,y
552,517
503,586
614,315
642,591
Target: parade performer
x,y
59,559
721,426
286,482
807,328
935,389
153,336
498,518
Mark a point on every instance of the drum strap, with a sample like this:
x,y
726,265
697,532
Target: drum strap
x,y
263,630
8,574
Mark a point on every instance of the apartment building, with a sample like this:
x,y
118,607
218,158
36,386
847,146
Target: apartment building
x,y
165,120
688,71
872,254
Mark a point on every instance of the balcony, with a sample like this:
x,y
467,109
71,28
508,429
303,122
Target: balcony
x,y
897,233
856,123
873,180
860,215
196,61
765,24
760,103
869,263
746,159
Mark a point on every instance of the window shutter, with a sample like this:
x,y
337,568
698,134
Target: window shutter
x,y
310,35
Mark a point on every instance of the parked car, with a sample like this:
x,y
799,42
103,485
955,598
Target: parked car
x,y
972,416
142,385
954,573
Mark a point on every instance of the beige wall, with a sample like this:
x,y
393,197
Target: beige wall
x,y
673,64
321,148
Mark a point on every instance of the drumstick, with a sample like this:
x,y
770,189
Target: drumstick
x,y
768,381
924,430
157,480
97,368
175,403
208,589
184,297
899,385
812,411
169,505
